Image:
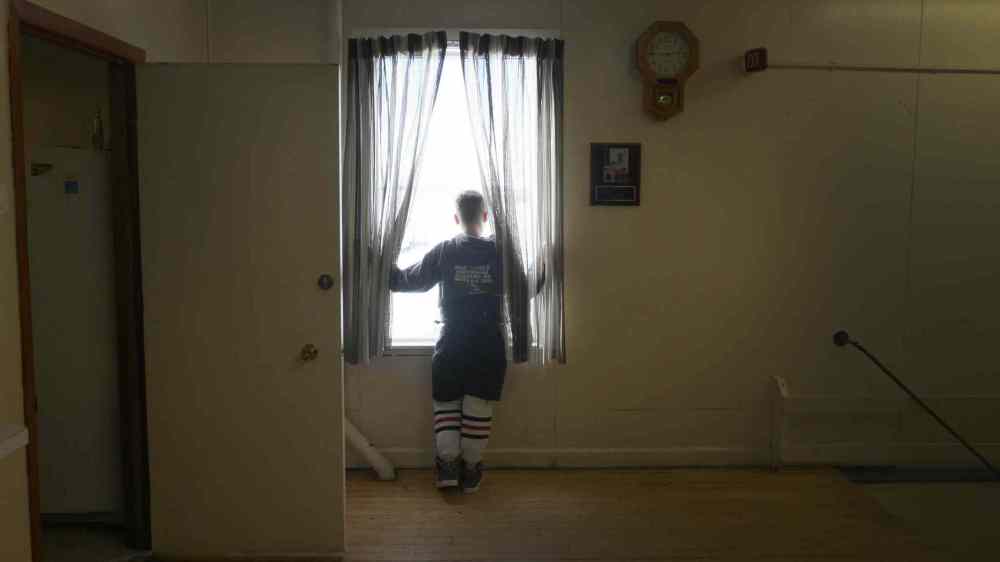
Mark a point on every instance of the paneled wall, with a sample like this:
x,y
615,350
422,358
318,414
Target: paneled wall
x,y
778,208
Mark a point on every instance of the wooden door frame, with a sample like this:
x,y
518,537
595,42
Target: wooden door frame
x,y
25,17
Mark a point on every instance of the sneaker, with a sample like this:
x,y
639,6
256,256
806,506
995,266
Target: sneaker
x,y
448,473
472,477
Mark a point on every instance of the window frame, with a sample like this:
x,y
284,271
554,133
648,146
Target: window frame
x,y
420,349
425,350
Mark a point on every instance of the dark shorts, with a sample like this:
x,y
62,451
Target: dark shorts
x,y
469,362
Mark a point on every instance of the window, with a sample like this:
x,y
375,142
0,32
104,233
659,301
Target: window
x,y
449,167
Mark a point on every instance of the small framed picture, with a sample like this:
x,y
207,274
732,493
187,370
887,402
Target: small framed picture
x,y
615,170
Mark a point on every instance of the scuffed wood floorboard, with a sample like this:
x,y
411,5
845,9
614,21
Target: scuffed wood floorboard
x,y
712,514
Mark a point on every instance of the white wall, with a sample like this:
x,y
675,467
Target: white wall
x,y
264,31
452,14
776,210
169,30
300,31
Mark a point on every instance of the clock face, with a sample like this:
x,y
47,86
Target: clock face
x,y
669,54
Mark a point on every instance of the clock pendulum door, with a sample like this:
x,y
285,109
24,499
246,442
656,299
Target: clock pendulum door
x,y
665,99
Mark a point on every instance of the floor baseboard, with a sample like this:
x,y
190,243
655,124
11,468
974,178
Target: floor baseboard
x,y
590,458
897,474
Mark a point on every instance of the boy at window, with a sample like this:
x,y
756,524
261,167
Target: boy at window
x,y
470,358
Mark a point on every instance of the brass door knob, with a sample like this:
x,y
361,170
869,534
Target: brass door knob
x,y
309,352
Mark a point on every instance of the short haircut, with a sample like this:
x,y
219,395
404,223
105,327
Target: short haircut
x,y
471,206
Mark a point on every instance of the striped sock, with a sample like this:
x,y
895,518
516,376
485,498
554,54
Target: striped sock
x,y
447,428
477,421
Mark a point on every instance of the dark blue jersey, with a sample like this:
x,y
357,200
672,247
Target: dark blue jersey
x,y
468,271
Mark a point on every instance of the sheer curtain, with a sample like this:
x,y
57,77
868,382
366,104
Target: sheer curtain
x,y
392,83
514,88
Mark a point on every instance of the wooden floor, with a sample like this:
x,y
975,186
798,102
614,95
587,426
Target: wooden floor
x,y
705,515
85,543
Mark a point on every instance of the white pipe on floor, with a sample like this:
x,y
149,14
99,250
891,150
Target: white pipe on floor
x,y
377,460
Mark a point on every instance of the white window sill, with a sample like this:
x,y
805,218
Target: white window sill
x,y
415,350
428,350
12,438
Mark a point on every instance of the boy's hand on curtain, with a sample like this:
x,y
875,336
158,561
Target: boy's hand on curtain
x,y
395,275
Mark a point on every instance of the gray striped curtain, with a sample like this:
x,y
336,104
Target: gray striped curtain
x,y
514,88
392,83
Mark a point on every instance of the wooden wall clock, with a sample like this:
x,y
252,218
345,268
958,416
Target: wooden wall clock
x,y
667,55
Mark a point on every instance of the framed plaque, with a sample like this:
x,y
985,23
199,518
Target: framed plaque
x,y
615,171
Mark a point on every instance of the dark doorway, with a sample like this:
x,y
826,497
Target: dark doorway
x,y
79,267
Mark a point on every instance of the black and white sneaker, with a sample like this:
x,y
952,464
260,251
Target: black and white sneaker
x,y
448,473
472,477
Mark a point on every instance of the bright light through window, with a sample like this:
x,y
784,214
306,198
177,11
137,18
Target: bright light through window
x,y
449,167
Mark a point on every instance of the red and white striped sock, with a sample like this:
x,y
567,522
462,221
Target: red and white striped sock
x,y
477,422
447,429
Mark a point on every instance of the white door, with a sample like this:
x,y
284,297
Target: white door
x,y
239,210
74,331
